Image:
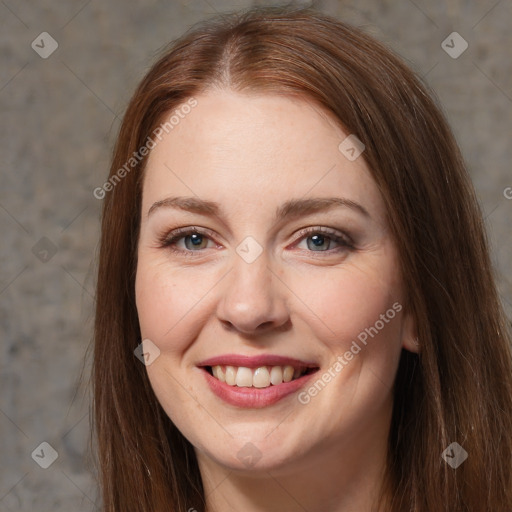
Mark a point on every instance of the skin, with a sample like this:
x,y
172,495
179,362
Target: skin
x,y
251,153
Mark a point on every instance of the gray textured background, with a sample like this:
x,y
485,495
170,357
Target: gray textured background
x,y
59,118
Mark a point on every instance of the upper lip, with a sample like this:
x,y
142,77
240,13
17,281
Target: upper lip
x,y
256,361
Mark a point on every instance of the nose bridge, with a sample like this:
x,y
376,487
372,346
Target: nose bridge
x,y
251,295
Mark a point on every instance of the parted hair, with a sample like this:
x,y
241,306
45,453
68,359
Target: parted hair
x,y
457,388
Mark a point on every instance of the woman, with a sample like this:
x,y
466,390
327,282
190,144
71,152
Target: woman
x,y
295,303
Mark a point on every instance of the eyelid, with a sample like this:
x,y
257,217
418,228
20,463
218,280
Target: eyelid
x,y
186,231
169,238
331,232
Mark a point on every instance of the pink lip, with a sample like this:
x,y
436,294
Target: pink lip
x,y
256,361
255,398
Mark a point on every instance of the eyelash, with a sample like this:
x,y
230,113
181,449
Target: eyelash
x,y
169,239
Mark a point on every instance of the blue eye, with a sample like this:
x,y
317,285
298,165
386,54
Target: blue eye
x,y
196,239
324,236
194,235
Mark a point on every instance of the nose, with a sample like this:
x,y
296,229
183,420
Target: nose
x,y
254,299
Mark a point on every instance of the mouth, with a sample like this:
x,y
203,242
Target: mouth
x,y
256,381
259,377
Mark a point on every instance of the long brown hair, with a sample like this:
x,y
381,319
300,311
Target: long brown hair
x,y
459,387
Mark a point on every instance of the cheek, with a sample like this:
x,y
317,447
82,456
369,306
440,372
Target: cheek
x,y
355,313
358,321
153,295
166,301
346,301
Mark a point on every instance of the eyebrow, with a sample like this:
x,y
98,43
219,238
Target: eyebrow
x,y
290,209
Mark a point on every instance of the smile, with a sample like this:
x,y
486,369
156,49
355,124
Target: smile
x,y
262,377
255,381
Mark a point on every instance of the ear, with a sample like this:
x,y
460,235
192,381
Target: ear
x,y
409,333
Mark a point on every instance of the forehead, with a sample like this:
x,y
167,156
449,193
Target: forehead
x,y
256,149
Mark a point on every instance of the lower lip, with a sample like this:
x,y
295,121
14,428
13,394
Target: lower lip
x,y
254,398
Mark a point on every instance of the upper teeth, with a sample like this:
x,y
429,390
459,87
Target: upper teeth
x,y
262,377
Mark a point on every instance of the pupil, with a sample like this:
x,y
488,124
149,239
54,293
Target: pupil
x,y
196,239
318,240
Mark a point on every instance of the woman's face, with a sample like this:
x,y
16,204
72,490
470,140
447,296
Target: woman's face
x,y
269,283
